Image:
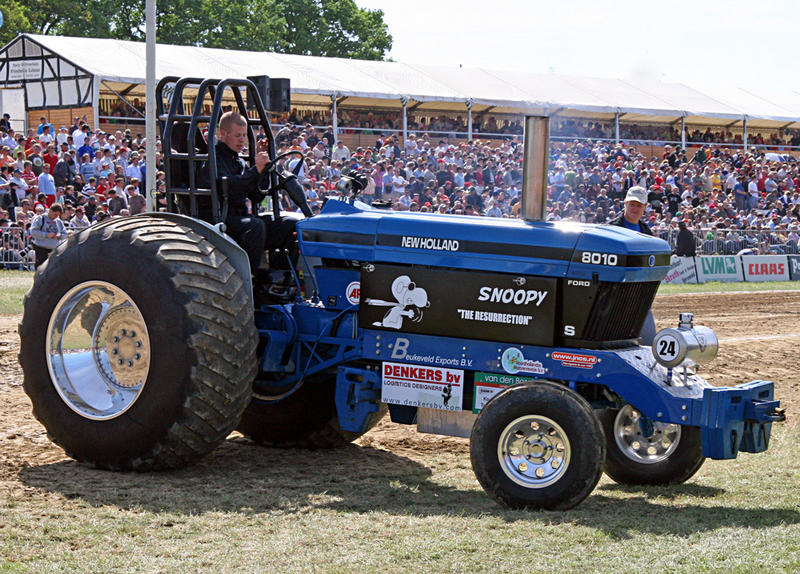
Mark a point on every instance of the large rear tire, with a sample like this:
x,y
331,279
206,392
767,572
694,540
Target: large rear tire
x,y
305,419
640,451
537,446
138,345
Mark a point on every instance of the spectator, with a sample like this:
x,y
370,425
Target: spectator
x,y
340,152
47,231
685,245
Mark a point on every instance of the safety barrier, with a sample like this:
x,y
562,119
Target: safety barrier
x,y
715,241
703,269
16,249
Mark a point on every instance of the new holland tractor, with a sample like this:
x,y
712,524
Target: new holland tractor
x,y
143,346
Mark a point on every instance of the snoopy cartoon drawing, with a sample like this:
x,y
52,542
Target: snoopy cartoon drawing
x,y
410,300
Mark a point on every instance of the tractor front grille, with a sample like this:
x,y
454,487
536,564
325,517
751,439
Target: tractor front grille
x,y
619,311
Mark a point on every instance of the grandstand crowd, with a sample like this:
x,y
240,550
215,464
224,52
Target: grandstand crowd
x,y
732,200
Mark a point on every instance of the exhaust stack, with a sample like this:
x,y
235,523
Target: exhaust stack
x,y
536,155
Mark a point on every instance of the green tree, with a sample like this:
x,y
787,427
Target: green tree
x,y
14,21
313,27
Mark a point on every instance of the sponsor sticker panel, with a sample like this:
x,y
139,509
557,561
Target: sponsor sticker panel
x,y
487,385
575,360
473,305
422,386
765,267
353,292
513,361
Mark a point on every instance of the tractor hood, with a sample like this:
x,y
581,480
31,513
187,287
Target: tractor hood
x,y
563,249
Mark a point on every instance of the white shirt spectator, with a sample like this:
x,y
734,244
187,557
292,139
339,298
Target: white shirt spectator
x,y
79,222
341,152
399,184
78,138
133,170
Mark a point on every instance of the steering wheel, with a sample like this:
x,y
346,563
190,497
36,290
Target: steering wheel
x,y
296,169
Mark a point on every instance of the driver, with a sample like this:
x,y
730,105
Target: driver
x,y
251,232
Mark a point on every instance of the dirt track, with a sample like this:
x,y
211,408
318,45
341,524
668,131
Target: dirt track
x,y
759,338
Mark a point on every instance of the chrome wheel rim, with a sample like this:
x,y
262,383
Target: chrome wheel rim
x,y
98,350
534,451
631,433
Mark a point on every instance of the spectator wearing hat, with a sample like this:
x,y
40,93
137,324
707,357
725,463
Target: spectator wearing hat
x,y
631,216
5,122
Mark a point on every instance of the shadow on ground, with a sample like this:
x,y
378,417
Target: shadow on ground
x,y
242,477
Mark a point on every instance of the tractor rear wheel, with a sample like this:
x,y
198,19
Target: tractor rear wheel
x,y
138,345
305,419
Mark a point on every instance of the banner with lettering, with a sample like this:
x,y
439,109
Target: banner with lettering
x,y
681,270
719,268
794,267
765,267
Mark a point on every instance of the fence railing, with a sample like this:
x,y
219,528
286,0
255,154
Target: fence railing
x,y
16,249
714,241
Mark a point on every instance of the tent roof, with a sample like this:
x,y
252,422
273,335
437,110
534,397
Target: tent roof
x,y
432,87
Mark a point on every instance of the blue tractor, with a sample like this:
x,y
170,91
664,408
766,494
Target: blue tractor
x,y
143,345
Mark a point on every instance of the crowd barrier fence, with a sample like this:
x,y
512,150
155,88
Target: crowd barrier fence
x,y
714,241
16,250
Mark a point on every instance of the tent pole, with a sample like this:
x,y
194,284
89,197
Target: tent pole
x,y
404,101
150,106
96,102
469,119
616,128
335,118
744,133
683,132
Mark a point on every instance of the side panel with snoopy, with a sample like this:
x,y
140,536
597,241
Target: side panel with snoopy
x,y
467,304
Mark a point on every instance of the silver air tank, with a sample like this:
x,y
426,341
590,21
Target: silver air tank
x,y
688,343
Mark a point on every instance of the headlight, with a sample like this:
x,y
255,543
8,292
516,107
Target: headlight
x,y
687,343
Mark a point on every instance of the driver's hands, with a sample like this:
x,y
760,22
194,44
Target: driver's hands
x,y
262,160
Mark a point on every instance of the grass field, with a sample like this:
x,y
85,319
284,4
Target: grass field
x,y
361,509
13,286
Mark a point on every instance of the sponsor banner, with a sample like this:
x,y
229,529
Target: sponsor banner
x,y
719,268
574,360
794,267
765,267
353,293
472,305
513,361
487,385
681,270
422,386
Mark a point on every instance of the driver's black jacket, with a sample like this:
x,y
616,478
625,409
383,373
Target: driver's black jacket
x,y
243,181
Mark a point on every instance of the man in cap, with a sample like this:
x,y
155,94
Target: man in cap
x,y
631,217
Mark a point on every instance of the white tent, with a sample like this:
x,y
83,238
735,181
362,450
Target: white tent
x,y
66,71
